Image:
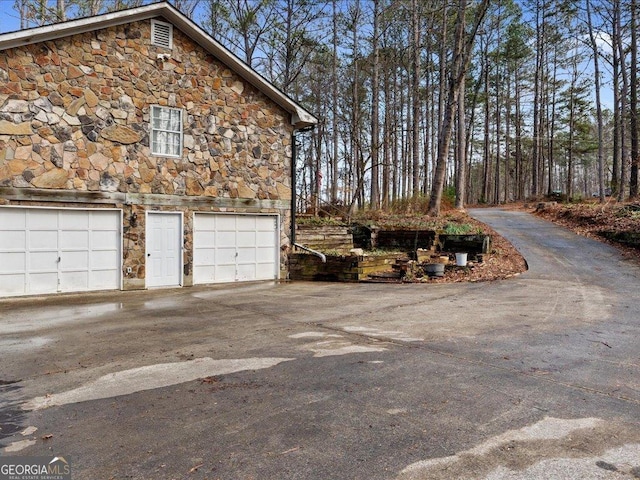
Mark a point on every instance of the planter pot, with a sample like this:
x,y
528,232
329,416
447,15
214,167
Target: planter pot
x,y
461,259
434,269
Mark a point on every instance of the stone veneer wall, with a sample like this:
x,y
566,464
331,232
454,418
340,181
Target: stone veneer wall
x,y
74,131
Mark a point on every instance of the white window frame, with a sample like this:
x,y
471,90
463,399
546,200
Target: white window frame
x,y
161,148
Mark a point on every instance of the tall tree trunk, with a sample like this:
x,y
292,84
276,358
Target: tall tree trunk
x,y
551,122
624,95
496,184
387,142
375,116
461,156
442,77
463,45
356,201
633,107
617,119
596,72
416,106
486,155
537,100
518,127
507,139
334,107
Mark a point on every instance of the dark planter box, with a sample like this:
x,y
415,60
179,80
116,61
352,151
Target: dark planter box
x,y
471,244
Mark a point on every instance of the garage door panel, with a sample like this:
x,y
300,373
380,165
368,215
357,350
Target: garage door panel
x,y
74,220
74,281
246,272
107,240
12,220
12,240
225,239
41,282
264,254
245,223
206,273
43,240
225,273
12,262
204,239
13,283
267,239
103,280
205,223
246,239
104,221
226,222
226,256
104,260
74,261
205,256
246,255
71,240
43,261
41,219
265,223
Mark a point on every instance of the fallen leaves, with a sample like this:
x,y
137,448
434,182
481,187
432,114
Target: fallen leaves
x,y
591,219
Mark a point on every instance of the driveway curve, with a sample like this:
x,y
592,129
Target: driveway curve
x,y
537,376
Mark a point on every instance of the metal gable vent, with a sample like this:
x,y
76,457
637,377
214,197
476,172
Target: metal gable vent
x,y
161,34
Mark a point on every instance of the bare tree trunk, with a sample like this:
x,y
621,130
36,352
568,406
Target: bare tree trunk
x,y
461,171
498,114
463,45
507,140
551,122
387,143
537,101
375,115
442,76
334,107
633,123
486,184
518,127
617,119
415,88
623,107
596,72
572,114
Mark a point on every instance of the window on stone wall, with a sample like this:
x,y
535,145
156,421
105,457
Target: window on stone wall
x,y
166,131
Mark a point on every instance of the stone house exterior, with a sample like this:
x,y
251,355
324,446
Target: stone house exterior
x,y
137,152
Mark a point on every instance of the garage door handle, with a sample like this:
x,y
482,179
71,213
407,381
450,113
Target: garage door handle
x,y
148,254
59,259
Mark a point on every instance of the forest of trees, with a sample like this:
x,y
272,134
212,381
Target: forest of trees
x,y
475,101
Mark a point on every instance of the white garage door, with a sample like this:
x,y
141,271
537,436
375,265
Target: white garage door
x,y
232,248
45,250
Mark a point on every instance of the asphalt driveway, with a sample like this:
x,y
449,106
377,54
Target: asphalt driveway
x,y
537,376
